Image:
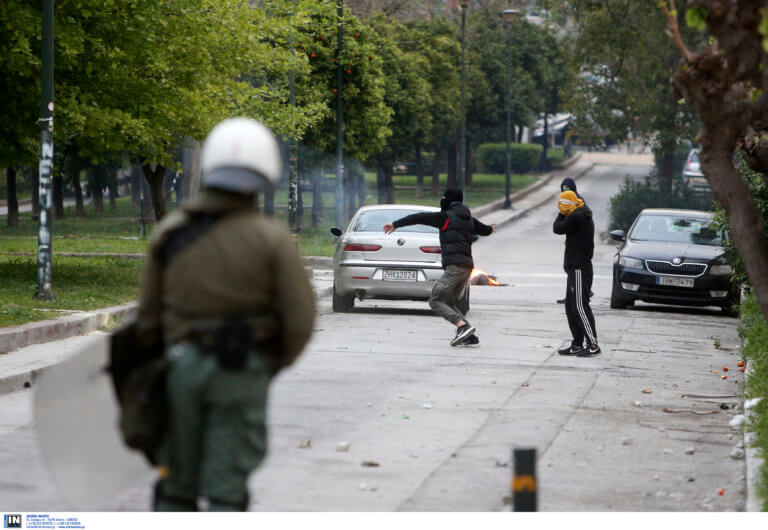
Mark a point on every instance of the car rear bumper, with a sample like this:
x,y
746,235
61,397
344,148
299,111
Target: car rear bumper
x,y
701,294
367,280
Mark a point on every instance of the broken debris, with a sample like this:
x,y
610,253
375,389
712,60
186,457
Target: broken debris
x,y
343,447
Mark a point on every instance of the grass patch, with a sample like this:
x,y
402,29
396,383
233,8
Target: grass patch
x,y
754,332
78,284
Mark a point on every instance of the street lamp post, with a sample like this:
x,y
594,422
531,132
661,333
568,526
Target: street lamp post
x,y
463,127
509,16
339,198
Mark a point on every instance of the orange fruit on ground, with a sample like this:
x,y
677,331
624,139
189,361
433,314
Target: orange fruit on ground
x,y
723,377
715,372
725,368
742,369
740,363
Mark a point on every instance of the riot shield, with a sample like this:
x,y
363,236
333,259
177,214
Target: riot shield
x,y
76,416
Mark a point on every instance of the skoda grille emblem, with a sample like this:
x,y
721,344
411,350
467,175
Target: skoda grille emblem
x,y
401,242
677,261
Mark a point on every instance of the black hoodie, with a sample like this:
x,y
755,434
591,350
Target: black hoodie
x,y
579,230
457,228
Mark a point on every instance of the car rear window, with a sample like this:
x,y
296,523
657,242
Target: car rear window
x,y
374,221
676,229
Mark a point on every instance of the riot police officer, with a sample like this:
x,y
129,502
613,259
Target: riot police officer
x,y
226,291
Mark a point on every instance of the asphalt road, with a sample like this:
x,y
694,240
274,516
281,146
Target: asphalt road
x,y
440,422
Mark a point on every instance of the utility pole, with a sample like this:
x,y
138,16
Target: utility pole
x,y
44,254
340,119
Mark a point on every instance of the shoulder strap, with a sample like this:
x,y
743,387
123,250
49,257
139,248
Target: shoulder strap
x,y
184,236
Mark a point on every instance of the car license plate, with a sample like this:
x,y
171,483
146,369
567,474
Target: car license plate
x,y
674,281
399,276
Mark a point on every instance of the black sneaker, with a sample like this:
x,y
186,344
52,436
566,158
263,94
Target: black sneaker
x,y
570,350
472,340
589,351
462,334
561,301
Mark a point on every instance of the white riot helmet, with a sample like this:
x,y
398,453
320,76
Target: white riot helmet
x,y
241,155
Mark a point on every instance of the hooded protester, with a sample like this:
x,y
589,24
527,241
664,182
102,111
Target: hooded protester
x,y
457,231
569,184
575,221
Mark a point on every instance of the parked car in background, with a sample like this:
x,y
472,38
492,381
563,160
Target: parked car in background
x,y
673,257
369,264
692,175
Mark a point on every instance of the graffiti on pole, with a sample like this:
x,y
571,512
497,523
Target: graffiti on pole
x,y
44,289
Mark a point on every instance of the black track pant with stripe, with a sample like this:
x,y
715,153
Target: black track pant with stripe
x,y
580,318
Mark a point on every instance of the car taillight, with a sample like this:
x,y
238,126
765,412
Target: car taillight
x,y
430,250
358,247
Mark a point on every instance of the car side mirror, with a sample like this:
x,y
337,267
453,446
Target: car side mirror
x,y
618,235
336,232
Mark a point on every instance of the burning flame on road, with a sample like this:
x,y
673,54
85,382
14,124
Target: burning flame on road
x,y
480,277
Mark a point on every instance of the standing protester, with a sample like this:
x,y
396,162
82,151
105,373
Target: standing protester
x,y
457,231
569,184
226,291
575,221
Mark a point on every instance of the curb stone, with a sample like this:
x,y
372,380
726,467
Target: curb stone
x,y
753,461
68,326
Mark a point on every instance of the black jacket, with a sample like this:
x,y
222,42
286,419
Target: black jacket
x,y
579,230
457,228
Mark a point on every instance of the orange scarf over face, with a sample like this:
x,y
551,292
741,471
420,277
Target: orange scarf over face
x,y
568,202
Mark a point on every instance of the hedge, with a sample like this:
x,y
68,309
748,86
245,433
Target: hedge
x,y
492,158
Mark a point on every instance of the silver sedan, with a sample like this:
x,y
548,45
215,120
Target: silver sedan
x,y
371,264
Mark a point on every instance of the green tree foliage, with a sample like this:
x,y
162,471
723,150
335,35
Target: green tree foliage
x,y
626,63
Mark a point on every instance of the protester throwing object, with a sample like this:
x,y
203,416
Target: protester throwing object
x,y
457,230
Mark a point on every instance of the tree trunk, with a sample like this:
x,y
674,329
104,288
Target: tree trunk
x,y
318,178
544,165
381,183
58,197
743,217
436,172
469,173
389,184
135,186
13,201
112,187
97,199
78,187
155,179
453,181
168,186
419,174
667,165
299,207
362,192
269,203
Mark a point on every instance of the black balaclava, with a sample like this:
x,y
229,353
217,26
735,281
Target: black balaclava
x,y
450,196
568,184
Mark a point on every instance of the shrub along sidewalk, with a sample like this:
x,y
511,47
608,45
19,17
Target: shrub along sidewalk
x,y
754,332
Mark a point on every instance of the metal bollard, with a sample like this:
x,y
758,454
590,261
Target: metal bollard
x,y
524,480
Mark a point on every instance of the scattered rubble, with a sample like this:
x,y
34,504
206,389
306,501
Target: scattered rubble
x,y
343,447
689,450
626,441
305,444
370,463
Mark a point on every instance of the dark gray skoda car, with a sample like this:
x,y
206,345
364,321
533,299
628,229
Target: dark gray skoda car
x,y
673,257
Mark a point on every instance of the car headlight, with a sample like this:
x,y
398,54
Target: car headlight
x,y
631,263
720,270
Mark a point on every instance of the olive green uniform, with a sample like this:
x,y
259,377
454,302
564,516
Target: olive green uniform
x,y
244,266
